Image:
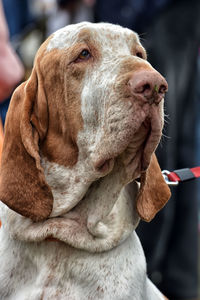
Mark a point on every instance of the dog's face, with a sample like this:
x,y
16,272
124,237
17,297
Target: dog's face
x,y
95,65
85,124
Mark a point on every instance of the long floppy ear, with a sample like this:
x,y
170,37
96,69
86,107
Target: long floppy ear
x,y
22,183
154,192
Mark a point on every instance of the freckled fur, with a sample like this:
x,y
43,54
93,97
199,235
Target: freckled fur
x,y
74,117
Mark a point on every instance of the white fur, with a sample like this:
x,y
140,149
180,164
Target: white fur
x,y
56,271
99,255
67,36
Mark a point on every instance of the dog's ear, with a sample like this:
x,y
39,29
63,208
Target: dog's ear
x,y
153,193
22,183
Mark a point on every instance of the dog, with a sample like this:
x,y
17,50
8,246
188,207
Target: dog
x,y
78,169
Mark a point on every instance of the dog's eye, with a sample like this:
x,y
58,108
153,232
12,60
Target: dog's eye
x,y
84,55
139,54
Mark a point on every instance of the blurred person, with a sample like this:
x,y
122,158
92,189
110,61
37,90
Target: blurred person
x,y
198,121
172,37
10,65
18,16
12,22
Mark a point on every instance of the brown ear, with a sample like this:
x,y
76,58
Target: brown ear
x,y
22,183
154,192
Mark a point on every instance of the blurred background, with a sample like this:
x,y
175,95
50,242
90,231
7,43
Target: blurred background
x,y
170,31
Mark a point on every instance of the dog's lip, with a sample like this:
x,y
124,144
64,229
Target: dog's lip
x,y
151,141
106,164
145,160
52,239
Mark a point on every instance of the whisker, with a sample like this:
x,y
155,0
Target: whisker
x,y
142,34
166,121
165,136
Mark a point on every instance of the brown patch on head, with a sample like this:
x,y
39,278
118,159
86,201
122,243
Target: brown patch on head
x,y
44,117
128,67
63,83
84,35
154,192
87,38
132,64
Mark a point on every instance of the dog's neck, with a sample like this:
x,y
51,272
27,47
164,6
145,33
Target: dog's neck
x,y
103,207
101,220
57,271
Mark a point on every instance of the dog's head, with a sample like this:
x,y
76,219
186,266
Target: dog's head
x,y
84,125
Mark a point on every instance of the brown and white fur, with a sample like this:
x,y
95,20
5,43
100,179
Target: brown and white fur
x,y
76,140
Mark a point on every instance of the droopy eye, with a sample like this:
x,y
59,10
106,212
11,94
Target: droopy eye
x,y
139,54
84,55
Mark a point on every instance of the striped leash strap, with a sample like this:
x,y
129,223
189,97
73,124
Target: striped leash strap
x,y
181,175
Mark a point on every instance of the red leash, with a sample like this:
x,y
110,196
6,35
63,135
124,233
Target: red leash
x,y
181,175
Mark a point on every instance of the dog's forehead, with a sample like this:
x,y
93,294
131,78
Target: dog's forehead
x,y
104,33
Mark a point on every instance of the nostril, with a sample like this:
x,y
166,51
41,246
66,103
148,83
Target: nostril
x,y
142,88
146,88
162,89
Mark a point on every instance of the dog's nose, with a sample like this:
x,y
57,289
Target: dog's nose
x,y
149,85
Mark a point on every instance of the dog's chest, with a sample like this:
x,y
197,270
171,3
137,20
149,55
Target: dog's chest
x,y
59,274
